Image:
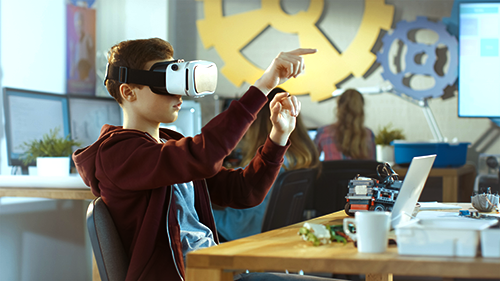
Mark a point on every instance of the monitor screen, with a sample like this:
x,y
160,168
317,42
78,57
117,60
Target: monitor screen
x,y
88,114
312,133
479,60
28,116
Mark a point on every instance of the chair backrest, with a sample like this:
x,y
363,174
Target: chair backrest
x,y
110,255
330,188
287,202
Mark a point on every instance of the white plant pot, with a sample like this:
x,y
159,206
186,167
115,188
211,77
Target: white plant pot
x,y
52,166
385,153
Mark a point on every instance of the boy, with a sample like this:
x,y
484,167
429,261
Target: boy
x,y
157,184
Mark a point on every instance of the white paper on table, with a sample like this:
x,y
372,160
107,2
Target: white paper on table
x,y
436,214
437,206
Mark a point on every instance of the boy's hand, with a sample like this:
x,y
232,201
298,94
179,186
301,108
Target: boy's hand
x,y
284,111
285,66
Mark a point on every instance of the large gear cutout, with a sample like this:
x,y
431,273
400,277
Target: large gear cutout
x,y
414,68
229,35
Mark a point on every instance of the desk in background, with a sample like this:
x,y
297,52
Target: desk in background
x,y
71,187
283,249
458,183
51,193
45,187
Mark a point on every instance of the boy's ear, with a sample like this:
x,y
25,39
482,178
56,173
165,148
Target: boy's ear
x,y
127,93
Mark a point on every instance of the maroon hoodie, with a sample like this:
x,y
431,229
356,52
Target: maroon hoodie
x,y
134,175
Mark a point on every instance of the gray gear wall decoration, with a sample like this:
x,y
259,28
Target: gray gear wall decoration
x,y
432,66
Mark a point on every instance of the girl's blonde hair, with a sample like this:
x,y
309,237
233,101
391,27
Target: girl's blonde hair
x,y
301,154
349,130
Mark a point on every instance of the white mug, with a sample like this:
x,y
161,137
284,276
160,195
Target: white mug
x,y
372,230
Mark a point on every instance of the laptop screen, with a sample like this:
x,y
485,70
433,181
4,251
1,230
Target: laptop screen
x,y
412,187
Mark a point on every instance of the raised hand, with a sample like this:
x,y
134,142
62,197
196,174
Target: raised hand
x,y
284,111
285,66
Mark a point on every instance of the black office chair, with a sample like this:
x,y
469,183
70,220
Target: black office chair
x,y
330,188
110,255
288,198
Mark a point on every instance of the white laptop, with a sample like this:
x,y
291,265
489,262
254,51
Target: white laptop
x,y
412,187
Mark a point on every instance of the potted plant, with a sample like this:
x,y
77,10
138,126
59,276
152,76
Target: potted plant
x,y
51,153
383,140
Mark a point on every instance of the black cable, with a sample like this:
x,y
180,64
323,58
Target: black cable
x,y
389,176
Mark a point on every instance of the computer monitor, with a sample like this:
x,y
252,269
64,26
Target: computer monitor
x,y
28,116
88,114
312,133
479,59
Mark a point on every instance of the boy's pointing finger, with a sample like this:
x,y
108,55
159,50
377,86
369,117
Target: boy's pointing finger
x,y
303,51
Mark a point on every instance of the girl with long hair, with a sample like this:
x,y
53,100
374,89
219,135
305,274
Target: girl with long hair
x,y
347,138
238,223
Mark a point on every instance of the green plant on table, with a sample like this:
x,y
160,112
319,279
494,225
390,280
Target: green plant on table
x,y
51,145
387,134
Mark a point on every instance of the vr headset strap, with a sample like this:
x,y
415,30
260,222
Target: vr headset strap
x,y
143,77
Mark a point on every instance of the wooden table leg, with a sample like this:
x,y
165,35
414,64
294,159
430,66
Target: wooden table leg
x,y
208,274
450,189
466,186
378,277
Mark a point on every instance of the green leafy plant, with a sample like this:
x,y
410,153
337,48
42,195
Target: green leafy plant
x,y
51,145
387,134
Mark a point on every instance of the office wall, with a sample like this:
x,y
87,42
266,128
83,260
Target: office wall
x,y
176,22
33,42
119,20
40,239
32,57
343,19
47,239
384,108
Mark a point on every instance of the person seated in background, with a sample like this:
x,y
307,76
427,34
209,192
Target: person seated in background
x,y
238,223
347,138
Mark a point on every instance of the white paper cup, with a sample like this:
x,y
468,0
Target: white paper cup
x,y
372,230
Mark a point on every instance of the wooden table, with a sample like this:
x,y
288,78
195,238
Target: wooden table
x,y
52,193
452,179
45,187
283,249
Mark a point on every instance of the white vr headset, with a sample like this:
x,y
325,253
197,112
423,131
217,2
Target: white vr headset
x,y
177,77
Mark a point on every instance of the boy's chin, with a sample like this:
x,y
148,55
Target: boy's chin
x,y
171,120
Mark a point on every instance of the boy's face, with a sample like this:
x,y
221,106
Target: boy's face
x,y
156,108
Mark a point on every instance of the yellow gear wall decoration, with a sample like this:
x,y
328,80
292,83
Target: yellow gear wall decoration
x,y
230,34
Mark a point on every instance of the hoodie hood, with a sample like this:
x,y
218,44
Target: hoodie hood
x,y
85,158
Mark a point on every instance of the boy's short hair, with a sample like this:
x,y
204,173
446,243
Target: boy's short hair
x,y
134,54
